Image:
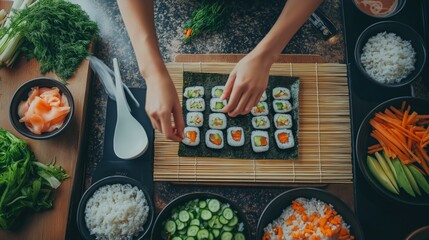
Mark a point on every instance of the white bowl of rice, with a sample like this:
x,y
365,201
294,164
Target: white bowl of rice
x,y
308,213
390,54
115,207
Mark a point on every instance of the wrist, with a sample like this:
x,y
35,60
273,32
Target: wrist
x,y
264,55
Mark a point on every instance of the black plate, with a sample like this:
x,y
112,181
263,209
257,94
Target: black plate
x,y
275,208
166,212
364,140
381,219
106,181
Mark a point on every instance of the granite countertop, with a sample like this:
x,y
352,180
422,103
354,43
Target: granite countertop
x,y
248,24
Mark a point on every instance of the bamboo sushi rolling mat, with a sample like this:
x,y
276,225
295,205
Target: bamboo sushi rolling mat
x,y
324,134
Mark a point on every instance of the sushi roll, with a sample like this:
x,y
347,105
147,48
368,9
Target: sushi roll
x,y
284,138
217,121
281,93
263,97
282,121
235,136
260,109
217,91
193,92
194,119
192,136
261,122
195,105
260,141
214,139
216,105
282,106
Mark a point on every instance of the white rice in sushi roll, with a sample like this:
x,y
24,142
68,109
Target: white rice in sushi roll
x,y
235,136
193,92
260,109
190,138
263,97
281,93
216,105
214,139
194,119
195,105
282,141
282,106
260,122
282,121
217,91
217,121
260,141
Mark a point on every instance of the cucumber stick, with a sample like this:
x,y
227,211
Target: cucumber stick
x,y
420,178
402,178
411,179
389,162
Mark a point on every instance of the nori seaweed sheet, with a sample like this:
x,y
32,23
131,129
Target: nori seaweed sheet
x,y
208,81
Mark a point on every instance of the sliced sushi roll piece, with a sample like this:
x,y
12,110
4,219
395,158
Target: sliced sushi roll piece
x,y
260,122
195,105
193,92
192,136
260,141
282,106
282,121
263,97
235,136
217,121
217,91
194,119
281,93
260,109
284,138
214,139
216,105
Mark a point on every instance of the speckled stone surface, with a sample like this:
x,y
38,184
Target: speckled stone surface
x,y
250,21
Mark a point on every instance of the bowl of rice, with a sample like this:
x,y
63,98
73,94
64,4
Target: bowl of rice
x,y
115,207
308,213
390,54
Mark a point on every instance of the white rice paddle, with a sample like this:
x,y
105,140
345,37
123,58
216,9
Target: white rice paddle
x,y
130,139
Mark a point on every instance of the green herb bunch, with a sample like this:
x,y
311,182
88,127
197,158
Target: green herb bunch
x,y
25,184
56,32
209,18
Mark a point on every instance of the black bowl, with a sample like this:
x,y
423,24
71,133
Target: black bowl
x,y
166,212
399,6
419,234
81,224
21,94
275,208
406,33
364,140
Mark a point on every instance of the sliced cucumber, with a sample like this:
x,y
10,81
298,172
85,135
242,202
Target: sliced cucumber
x,y
233,221
184,216
206,214
203,234
195,222
227,213
214,205
192,231
170,227
239,236
226,236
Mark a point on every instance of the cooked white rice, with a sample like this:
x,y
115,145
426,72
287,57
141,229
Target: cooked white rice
x,y
260,122
309,219
186,140
217,121
212,145
257,148
387,58
116,211
214,102
263,97
217,91
233,142
194,119
193,92
282,106
289,144
260,109
195,105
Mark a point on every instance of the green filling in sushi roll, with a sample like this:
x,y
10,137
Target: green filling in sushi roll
x,y
282,106
194,92
217,91
260,141
194,119
195,104
214,139
216,105
260,109
281,93
260,122
217,121
282,120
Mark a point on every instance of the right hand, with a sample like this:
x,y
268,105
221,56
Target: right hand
x,y
161,103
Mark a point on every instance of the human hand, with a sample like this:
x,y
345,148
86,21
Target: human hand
x,y
161,103
245,85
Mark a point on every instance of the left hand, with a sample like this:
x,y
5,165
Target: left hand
x,y
245,85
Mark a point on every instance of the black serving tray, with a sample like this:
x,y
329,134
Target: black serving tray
x,y
380,218
140,168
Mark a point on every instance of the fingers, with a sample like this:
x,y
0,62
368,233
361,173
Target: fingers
x,y
253,101
229,85
179,122
167,128
241,106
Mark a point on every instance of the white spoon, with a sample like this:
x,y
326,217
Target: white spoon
x,y
130,139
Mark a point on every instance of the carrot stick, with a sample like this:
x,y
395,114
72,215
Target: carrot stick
x,y
413,118
404,103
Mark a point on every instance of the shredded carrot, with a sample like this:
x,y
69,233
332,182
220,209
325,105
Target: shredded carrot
x,y
188,32
401,133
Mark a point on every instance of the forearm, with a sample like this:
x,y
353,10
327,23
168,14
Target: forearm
x,y
138,16
293,16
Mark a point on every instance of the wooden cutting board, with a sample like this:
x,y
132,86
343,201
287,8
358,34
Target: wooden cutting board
x,y
66,149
